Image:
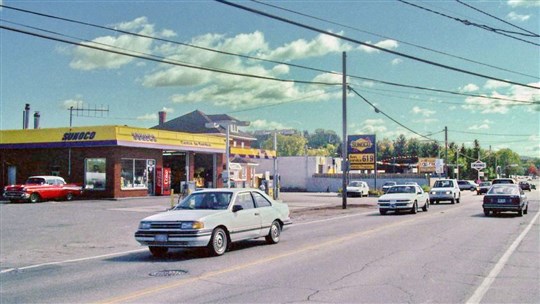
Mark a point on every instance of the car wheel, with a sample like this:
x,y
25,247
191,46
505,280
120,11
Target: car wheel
x,y
426,206
414,208
274,233
458,200
158,252
34,198
486,212
436,202
218,243
69,196
526,209
452,201
382,211
520,212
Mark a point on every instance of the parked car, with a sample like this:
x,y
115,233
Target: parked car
x,y
525,186
403,197
214,218
466,185
357,188
445,190
483,188
505,197
42,188
388,185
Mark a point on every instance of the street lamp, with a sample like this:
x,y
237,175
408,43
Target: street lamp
x,y
227,125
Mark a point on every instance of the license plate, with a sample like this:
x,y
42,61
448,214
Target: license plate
x,y
501,201
161,238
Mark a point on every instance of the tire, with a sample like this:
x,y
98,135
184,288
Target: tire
x,y
414,208
34,198
382,211
526,209
458,200
425,208
158,252
218,243
436,202
520,212
274,233
69,196
452,201
486,212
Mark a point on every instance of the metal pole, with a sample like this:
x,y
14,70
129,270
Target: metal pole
x,y
446,151
275,194
344,163
228,155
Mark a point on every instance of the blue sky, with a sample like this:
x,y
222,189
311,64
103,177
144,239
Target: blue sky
x,y
52,76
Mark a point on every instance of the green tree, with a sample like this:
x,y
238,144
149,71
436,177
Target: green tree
x,y
509,162
400,146
385,149
288,145
414,147
321,138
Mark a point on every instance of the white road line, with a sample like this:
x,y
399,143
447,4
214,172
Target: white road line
x,y
486,284
72,261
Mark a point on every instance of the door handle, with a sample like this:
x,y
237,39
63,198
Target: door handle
x,y
257,213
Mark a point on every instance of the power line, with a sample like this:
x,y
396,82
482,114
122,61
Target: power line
x,y
490,134
239,55
467,22
440,65
530,34
400,41
164,60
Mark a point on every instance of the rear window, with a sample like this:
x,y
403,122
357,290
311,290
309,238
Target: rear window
x,y
443,184
504,190
503,181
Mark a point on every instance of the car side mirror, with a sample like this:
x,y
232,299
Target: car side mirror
x,y
419,192
237,208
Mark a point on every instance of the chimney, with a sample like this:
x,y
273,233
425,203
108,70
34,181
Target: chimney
x,y
36,120
162,117
26,117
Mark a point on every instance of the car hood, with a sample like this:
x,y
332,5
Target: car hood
x,y
183,215
398,196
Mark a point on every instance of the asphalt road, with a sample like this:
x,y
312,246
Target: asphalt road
x,y
84,251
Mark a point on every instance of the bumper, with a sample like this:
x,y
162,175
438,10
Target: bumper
x,y
396,206
500,207
440,197
173,238
12,195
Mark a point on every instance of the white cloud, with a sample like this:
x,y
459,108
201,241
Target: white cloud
x,y
529,96
152,116
300,49
167,110
523,3
397,61
89,59
494,84
262,124
471,87
483,126
517,17
76,102
423,112
385,44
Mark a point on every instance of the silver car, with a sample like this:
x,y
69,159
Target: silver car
x,y
214,219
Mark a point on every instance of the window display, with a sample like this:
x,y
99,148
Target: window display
x,y
134,174
95,176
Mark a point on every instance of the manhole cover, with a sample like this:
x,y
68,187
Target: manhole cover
x,y
167,273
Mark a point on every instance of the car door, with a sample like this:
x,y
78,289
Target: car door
x,y
266,210
246,223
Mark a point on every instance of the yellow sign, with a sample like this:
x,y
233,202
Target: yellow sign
x,y
361,144
426,165
362,161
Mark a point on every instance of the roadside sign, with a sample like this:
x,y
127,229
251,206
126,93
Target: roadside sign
x,y
478,165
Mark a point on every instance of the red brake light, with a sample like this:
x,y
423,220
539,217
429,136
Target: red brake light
x,y
515,200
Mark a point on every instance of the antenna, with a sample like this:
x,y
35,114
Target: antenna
x,y
82,110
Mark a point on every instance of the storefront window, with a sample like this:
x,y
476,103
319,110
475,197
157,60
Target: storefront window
x,y
134,174
94,175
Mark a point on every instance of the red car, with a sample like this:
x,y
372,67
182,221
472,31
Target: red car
x,y
42,188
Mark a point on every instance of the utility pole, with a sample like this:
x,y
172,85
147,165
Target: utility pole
x,y
446,151
344,162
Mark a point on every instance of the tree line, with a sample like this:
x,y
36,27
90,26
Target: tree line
x,y
322,142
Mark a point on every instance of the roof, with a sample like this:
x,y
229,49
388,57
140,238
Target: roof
x,y
195,122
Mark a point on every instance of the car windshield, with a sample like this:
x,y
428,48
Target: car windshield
x,y
401,189
35,181
443,184
504,190
206,200
355,184
389,184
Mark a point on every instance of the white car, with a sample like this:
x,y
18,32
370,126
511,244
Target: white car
x,y
357,188
403,197
214,218
445,190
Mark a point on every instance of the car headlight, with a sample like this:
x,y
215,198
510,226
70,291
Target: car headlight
x,y
433,192
192,225
448,192
145,225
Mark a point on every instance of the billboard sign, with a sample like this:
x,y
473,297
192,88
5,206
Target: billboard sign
x,y
362,152
426,165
